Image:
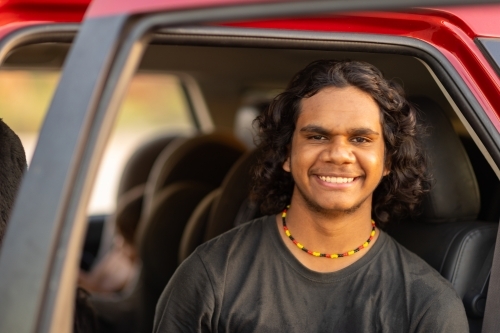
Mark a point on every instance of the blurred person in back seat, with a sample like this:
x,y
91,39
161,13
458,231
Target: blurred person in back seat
x,y
341,159
12,167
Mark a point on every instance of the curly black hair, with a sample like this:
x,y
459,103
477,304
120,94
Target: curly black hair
x,y
398,193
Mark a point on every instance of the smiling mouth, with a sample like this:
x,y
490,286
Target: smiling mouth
x,y
336,180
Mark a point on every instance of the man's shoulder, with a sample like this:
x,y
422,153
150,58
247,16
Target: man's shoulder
x,y
410,262
426,289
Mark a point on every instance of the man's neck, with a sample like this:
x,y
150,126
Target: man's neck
x,y
327,233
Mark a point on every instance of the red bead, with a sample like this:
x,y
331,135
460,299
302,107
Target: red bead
x,y
309,251
345,254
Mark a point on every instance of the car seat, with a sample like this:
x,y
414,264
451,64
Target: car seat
x,y
447,234
133,179
194,232
235,189
222,209
228,205
184,173
204,158
113,264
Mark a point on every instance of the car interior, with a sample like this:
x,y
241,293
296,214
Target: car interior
x,y
178,191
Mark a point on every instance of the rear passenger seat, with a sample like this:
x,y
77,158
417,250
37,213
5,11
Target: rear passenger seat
x,y
119,228
186,171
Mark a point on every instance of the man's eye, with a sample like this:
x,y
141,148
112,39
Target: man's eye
x,y
317,137
360,140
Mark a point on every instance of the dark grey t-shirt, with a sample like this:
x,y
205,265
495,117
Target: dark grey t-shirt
x,y
247,280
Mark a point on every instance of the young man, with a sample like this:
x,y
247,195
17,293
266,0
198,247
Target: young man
x,y
340,147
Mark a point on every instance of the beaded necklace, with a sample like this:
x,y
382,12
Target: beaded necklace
x,y
326,255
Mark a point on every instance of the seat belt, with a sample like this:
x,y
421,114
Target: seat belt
x,y
491,321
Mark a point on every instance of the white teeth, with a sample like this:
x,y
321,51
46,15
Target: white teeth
x,y
336,180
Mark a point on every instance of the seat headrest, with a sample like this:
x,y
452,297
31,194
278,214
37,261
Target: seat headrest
x,y
205,158
454,195
243,121
139,165
128,212
235,189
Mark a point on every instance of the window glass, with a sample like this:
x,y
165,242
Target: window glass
x,y
491,48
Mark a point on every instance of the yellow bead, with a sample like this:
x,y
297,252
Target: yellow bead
x,y
333,256
287,233
372,233
350,252
365,244
316,254
300,245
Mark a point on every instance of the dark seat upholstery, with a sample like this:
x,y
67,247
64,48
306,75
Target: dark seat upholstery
x,y
235,189
219,210
447,234
159,239
139,165
128,212
205,158
194,231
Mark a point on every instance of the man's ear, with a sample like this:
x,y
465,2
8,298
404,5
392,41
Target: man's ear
x,y
387,166
286,164
387,169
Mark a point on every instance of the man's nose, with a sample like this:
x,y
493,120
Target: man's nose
x,y
339,151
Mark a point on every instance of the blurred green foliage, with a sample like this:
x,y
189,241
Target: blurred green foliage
x,y
152,100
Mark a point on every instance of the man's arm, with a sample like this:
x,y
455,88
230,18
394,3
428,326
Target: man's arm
x,y
445,314
187,303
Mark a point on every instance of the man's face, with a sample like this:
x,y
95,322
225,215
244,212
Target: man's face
x,y
337,151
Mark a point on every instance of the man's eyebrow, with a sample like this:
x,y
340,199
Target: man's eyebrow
x,y
362,131
353,131
315,129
